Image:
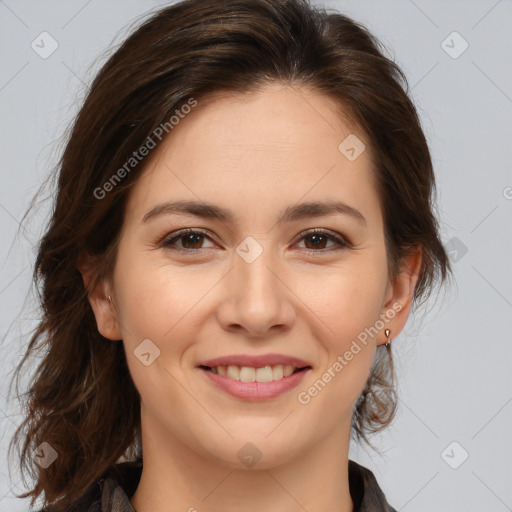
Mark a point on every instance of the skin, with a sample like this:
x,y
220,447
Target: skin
x,y
254,154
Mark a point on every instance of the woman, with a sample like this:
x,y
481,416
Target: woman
x,y
242,224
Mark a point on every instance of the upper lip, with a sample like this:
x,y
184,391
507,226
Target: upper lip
x,y
258,361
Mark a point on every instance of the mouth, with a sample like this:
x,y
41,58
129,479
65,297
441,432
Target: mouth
x,y
255,377
266,373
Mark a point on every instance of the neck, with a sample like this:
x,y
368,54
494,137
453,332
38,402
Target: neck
x,y
176,478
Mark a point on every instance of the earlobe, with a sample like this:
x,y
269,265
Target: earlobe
x,y
401,294
104,310
106,315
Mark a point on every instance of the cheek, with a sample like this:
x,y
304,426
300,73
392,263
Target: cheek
x,y
161,303
346,301
348,310
158,304
138,291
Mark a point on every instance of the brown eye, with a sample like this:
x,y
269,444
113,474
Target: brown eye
x,y
316,241
190,240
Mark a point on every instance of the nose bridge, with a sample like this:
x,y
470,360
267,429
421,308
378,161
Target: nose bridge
x,y
253,270
259,300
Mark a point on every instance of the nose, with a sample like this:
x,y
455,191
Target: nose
x,y
256,298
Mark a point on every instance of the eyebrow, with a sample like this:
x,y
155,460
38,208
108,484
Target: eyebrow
x,y
290,214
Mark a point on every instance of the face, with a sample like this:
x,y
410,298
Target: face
x,y
269,285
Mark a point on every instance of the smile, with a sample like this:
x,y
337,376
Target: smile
x,y
255,383
250,374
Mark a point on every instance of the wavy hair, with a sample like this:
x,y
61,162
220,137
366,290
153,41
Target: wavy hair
x,y
194,49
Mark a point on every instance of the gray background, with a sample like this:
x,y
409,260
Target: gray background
x,y
453,362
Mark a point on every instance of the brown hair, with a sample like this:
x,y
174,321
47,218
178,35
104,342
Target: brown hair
x,y
194,49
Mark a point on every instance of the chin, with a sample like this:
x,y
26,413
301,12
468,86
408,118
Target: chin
x,y
255,452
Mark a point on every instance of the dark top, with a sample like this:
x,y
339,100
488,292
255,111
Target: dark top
x,y
112,492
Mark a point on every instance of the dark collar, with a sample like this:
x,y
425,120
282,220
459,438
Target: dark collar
x,y
113,491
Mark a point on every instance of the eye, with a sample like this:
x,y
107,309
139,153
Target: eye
x,y
318,237
192,239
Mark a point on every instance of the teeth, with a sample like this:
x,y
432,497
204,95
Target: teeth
x,y
264,374
233,372
277,372
288,370
249,374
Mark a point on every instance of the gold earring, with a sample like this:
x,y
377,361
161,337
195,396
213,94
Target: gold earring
x,y
387,332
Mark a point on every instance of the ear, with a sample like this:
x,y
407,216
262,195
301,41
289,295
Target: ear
x,y
399,296
104,310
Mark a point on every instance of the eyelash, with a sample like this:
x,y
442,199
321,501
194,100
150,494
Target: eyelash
x,y
342,242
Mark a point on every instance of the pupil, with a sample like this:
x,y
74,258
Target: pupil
x,y
189,239
318,239
194,239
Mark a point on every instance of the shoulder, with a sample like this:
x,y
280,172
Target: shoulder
x,y
111,492
365,490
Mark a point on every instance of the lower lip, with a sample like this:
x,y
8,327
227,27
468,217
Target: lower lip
x,y
256,390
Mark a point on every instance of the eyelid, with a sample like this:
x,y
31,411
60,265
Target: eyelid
x,y
167,239
340,240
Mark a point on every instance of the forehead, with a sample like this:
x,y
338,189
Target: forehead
x,y
272,119
279,144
